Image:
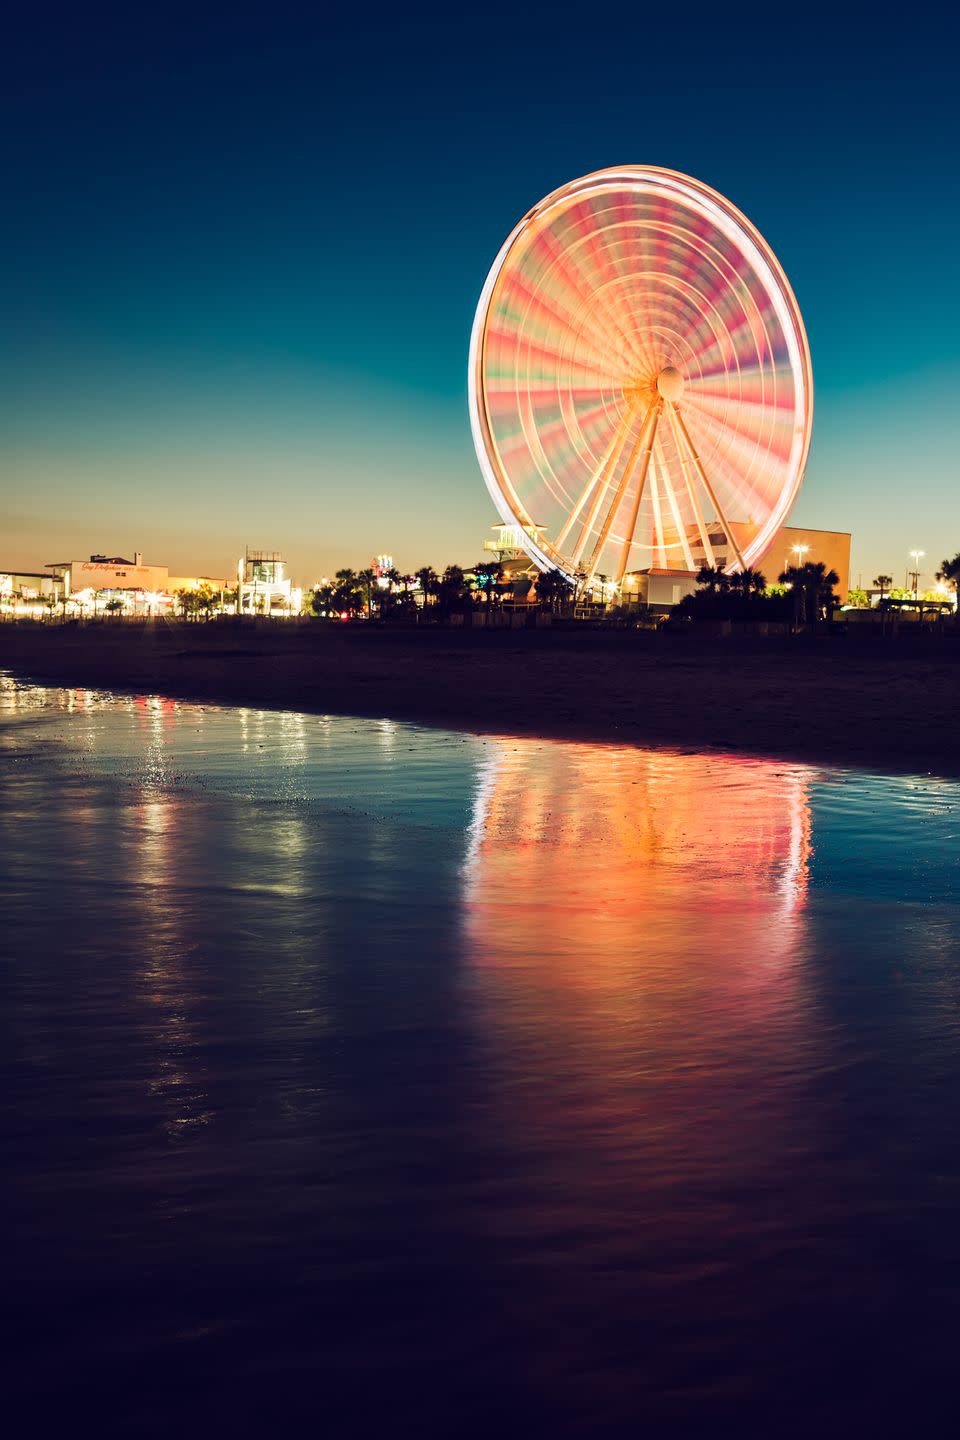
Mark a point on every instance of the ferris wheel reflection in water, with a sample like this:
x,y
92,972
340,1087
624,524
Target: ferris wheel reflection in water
x,y
635,930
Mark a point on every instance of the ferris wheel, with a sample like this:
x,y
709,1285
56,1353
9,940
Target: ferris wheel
x,y
640,386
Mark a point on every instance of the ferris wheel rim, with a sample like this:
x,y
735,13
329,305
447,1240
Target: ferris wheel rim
x,y
730,221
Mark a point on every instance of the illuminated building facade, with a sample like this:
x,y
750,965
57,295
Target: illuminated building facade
x,y
128,587
262,586
663,587
29,594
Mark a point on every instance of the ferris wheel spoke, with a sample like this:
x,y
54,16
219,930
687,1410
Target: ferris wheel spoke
x,y
605,477
691,492
577,282
595,477
671,495
631,530
550,316
642,450
714,501
657,514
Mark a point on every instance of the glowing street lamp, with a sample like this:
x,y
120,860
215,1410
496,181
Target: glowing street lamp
x,y
916,556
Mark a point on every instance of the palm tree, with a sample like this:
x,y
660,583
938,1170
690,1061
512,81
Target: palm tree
x,y
949,574
793,578
553,588
708,576
812,588
715,579
489,575
452,590
821,582
347,592
883,583
365,579
429,582
323,600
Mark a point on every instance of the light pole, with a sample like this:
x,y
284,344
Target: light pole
x,y
800,551
916,556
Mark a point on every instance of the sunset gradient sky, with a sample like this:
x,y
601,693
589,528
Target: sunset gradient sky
x,y
242,247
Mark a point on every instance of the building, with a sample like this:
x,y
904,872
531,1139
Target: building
x,y
792,545
662,587
109,572
509,542
262,586
125,586
101,580
29,594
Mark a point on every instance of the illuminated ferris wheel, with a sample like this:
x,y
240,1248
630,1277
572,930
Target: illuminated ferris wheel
x,y
640,385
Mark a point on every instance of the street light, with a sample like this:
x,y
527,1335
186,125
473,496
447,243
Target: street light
x,y
916,556
800,551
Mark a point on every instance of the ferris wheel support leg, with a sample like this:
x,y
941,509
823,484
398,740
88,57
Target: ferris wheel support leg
x,y
657,513
644,443
603,486
634,514
692,493
619,437
675,512
698,463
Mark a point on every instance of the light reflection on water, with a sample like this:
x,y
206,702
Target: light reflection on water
x,y
583,1083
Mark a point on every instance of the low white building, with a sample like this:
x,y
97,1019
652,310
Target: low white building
x,y
94,583
262,586
29,594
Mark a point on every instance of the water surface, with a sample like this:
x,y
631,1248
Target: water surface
x,y
382,1080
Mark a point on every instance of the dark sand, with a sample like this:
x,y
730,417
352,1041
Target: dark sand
x,y
860,701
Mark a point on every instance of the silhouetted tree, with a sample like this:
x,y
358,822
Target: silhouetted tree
x,y
368,583
714,580
554,590
883,583
487,577
323,600
811,588
429,583
348,593
452,591
747,582
949,573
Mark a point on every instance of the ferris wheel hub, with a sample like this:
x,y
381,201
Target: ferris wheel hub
x,y
670,384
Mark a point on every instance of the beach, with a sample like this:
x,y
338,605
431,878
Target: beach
x,y
840,699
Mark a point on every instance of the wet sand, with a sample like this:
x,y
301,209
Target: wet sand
x,y
866,702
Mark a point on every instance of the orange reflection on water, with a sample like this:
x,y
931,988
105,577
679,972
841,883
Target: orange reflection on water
x,y
585,850
634,929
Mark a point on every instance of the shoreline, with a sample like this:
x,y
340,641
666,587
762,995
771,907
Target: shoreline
x,y
809,700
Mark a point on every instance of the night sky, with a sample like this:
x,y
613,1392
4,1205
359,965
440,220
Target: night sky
x,y
241,251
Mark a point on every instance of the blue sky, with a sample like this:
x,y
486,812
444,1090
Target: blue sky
x,y
242,247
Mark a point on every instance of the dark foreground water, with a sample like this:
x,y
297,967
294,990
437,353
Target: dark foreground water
x,y
366,1079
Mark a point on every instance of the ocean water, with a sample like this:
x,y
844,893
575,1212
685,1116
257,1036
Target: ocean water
x,y
360,1078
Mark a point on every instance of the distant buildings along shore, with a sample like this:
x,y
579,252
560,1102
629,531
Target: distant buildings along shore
x,y
114,585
